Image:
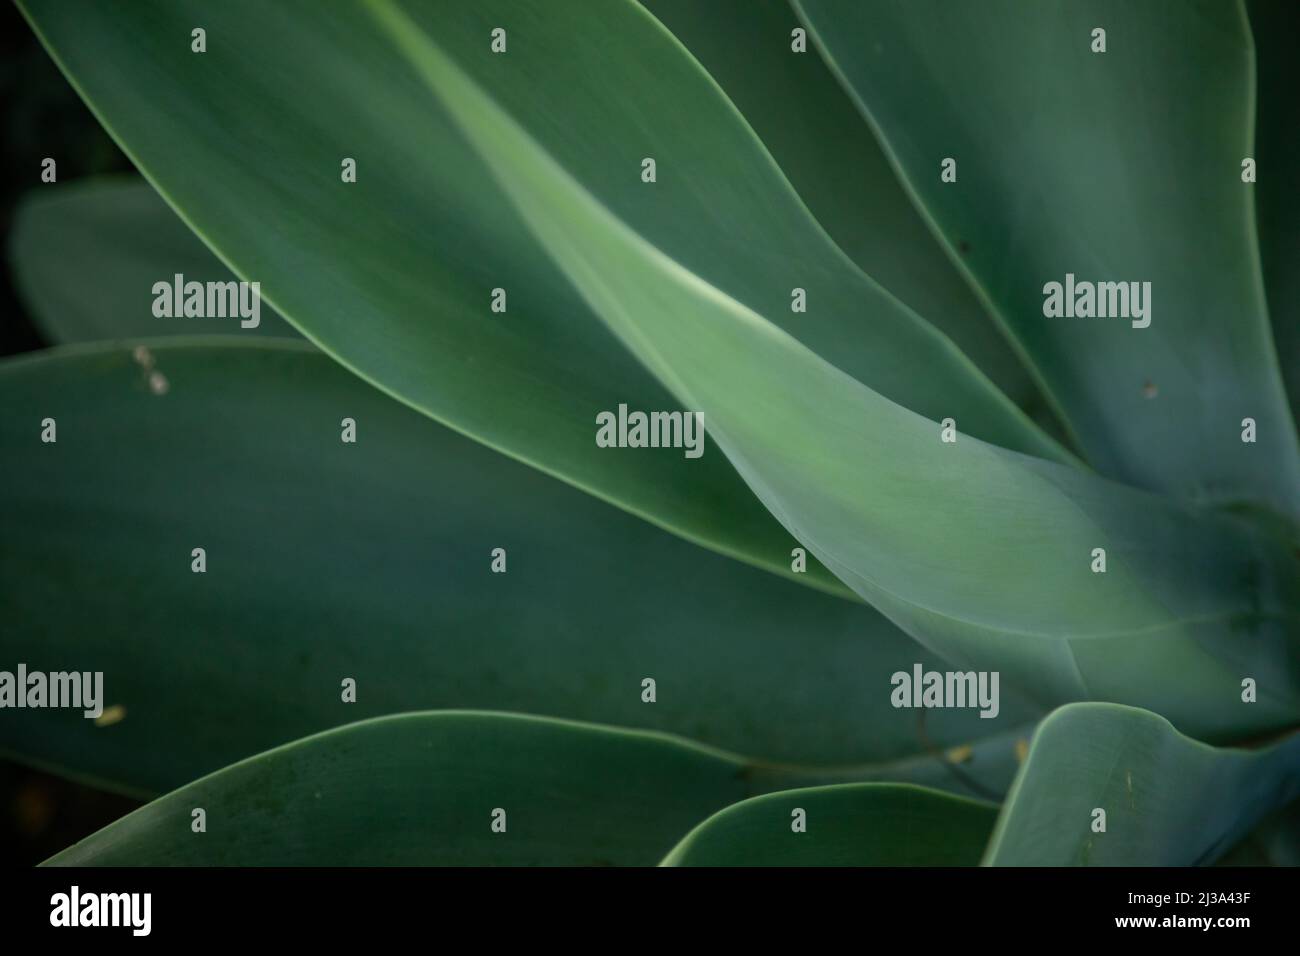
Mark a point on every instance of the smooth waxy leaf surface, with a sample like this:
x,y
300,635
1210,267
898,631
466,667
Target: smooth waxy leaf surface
x,y
394,274
1168,800
843,825
1123,166
970,548
422,789
816,134
372,560
116,237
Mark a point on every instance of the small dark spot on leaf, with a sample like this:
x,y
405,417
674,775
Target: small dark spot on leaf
x,y
963,246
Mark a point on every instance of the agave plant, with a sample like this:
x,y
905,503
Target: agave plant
x,y
974,301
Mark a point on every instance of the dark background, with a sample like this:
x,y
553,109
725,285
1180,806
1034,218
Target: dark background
x,y
42,116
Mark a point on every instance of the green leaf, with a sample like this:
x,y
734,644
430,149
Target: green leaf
x,y
846,825
421,790
813,130
1123,166
1168,800
393,274
371,560
86,256
1277,202
982,554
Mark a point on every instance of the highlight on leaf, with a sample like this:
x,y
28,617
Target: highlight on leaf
x,y
451,433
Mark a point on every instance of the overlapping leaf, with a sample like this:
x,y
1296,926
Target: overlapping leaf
x,y
371,560
979,551
973,549
1122,166
841,825
424,789
86,256
1167,800
394,274
831,157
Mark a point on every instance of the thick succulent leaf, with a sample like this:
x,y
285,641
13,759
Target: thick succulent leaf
x,y
125,224
982,552
848,824
371,560
814,131
1275,25
117,237
1168,800
422,789
393,274
1123,166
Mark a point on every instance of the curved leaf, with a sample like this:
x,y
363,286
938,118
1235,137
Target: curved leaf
x,y
86,255
1122,166
423,790
1168,800
394,274
814,131
974,550
371,560
848,824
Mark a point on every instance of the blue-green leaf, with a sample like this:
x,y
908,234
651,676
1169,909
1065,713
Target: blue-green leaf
x,y
841,825
372,560
86,256
1122,166
1105,785
1071,586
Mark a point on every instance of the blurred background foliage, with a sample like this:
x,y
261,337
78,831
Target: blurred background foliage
x,y
41,814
